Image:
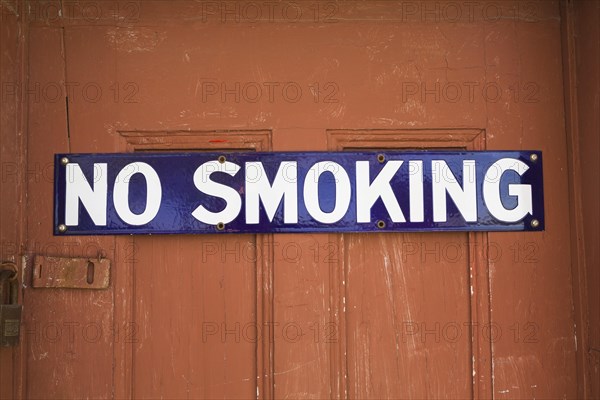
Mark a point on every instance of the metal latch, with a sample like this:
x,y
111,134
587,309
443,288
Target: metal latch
x,y
74,273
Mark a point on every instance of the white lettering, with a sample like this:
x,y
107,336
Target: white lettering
x,y
491,191
285,185
444,181
368,193
206,185
342,192
153,193
93,200
415,182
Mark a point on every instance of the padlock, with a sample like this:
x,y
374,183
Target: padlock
x,y
10,314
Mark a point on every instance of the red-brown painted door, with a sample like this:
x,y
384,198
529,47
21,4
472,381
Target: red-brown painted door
x,y
427,315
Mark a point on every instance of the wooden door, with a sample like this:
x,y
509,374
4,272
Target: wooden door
x,y
427,315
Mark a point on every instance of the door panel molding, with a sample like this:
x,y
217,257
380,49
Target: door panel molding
x,y
478,267
125,269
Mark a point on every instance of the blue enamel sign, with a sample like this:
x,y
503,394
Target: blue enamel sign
x,y
163,193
